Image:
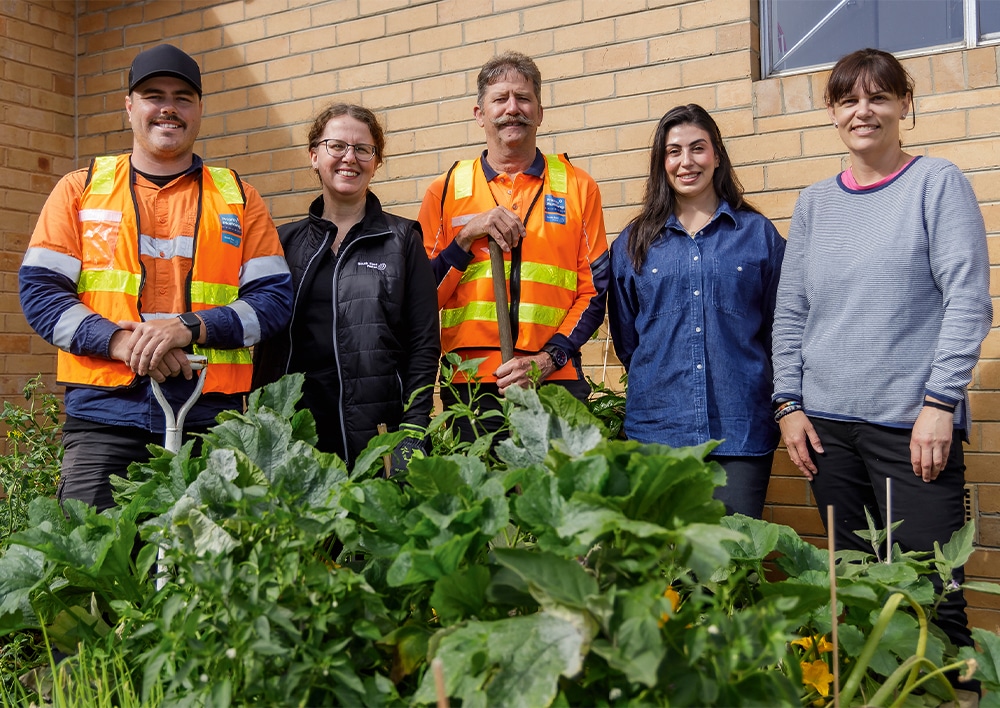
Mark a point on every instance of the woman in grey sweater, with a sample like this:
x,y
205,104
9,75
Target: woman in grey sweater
x,y
882,306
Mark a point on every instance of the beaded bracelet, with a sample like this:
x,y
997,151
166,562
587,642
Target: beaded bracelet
x,y
939,406
787,408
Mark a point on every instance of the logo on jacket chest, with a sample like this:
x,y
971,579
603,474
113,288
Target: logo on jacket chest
x,y
555,209
232,230
373,266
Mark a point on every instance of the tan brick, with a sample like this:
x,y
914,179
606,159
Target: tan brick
x,y
767,97
712,13
489,28
614,57
400,22
948,72
733,123
266,49
735,37
458,10
950,102
795,121
125,16
594,9
683,45
295,65
822,141
797,93
651,23
800,173
981,66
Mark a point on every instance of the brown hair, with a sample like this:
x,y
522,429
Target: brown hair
x,y
358,113
658,199
496,68
875,69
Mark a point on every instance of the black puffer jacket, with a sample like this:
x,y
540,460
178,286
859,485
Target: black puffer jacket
x,y
385,321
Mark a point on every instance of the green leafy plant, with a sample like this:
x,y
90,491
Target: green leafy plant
x,y
557,567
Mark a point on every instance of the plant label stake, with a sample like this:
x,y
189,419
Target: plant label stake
x,y
833,606
387,457
500,296
888,520
175,424
442,693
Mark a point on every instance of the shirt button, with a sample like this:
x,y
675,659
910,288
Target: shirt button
x,y
697,329
698,367
508,191
655,270
696,257
697,293
739,268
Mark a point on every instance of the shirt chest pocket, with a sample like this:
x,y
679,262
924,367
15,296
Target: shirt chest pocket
x,y
736,286
662,288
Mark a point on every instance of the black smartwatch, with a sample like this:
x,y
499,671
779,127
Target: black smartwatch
x,y
193,323
558,356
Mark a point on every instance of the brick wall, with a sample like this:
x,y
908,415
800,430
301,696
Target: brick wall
x,y
37,146
610,70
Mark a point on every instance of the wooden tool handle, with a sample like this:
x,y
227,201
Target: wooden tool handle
x,y
500,296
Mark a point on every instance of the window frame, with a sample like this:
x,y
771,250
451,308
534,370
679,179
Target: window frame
x,y
971,40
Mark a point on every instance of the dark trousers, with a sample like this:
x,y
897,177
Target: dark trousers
x,y
851,474
92,452
746,483
490,403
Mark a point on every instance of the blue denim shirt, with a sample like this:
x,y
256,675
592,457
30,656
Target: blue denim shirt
x,y
693,329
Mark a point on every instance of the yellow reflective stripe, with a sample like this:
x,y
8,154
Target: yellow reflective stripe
x,y
110,281
103,177
225,182
476,310
530,272
225,356
557,173
549,275
463,179
482,269
530,313
213,294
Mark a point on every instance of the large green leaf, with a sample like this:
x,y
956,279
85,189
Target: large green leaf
x,y
513,662
280,396
22,569
550,578
461,594
759,537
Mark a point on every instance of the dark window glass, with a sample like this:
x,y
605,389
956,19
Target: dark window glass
x,y
815,32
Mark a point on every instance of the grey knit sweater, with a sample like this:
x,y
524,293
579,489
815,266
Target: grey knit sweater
x,y
884,296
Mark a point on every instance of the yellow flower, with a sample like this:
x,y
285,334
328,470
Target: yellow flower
x,y
675,602
817,642
816,675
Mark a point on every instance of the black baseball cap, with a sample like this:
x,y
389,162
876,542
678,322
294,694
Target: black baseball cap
x,y
164,60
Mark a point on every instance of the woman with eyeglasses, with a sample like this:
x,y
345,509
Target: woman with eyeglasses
x,y
364,327
690,309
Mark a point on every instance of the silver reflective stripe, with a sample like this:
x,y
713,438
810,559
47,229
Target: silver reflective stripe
x,y
54,261
69,322
179,246
106,215
147,316
262,267
251,325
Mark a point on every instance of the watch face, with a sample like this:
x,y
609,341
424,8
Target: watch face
x,y
559,357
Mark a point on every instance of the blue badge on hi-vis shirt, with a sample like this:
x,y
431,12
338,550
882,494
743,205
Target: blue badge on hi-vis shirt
x,y
555,209
231,229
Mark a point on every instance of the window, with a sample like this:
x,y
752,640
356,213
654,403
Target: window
x,y
800,34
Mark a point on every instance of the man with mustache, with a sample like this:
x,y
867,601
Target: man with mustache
x,y
546,216
140,259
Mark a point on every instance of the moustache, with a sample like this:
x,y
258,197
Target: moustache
x,y
170,119
517,119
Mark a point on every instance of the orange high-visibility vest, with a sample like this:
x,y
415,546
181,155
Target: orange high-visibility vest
x,y
111,270
542,287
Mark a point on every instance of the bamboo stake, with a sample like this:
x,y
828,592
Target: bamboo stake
x,y
888,520
833,606
500,297
442,693
387,457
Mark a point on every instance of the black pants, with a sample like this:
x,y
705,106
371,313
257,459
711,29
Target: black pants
x,y
851,474
93,452
490,400
746,483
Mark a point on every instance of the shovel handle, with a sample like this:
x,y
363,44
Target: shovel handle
x,y
500,297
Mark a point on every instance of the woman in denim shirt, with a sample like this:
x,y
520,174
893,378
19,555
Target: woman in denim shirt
x,y
691,306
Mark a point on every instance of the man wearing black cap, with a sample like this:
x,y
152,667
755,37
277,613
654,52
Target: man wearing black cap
x,y
139,260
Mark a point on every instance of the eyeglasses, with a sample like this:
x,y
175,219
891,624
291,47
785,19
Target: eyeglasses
x,y
338,148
